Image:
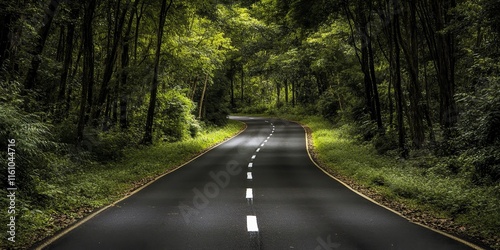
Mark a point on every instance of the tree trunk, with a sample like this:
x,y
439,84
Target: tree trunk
x,y
232,90
242,84
371,63
446,47
193,88
68,59
376,99
7,21
410,49
60,44
137,25
148,133
88,67
397,83
441,45
278,93
110,63
286,91
432,137
123,91
362,24
43,33
202,97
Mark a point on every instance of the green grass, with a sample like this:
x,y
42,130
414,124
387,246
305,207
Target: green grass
x,y
77,194
476,209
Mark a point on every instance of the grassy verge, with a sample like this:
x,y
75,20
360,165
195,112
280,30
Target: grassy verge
x,y
78,194
422,194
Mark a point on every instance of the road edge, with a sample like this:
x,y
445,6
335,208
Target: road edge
x,y
323,169
62,232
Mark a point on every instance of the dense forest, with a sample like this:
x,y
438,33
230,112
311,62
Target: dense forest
x,y
81,81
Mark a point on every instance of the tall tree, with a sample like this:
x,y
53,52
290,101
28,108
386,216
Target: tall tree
x,y
8,19
436,17
397,80
367,58
124,69
110,60
88,67
411,52
68,57
148,133
39,44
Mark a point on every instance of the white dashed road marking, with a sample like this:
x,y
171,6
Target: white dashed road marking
x,y
252,223
249,175
249,193
253,157
250,165
257,150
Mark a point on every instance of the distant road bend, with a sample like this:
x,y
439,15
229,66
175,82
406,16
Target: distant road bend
x,y
259,190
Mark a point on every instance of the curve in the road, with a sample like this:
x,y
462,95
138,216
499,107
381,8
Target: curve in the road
x,y
263,180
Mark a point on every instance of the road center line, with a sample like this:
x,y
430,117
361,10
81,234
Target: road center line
x,y
250,165
257,150
265,141
249,193
252,223
249,175
262,145
253,157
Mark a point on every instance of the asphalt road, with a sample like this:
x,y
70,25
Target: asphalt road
x,y
259,190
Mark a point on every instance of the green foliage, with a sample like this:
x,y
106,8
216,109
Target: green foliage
x,y
479,127
32,142
385,142
482,164
174,119
328,104
110,145
255,109
217,105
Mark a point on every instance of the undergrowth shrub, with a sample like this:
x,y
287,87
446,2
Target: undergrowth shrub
x,y
328,104
32,142
255,109
386,142
110,145
174,119
216,104
478,143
